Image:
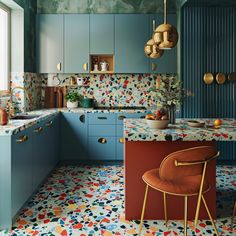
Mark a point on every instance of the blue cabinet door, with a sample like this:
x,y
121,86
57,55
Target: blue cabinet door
x,y
131,33
168,62
102,148
39,157
21,169
102,34
73,136
50,43
76,45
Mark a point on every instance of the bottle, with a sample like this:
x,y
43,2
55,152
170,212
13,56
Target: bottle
x,y
3,117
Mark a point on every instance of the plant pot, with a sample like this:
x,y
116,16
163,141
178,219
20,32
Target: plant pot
x,y
87,102
70,104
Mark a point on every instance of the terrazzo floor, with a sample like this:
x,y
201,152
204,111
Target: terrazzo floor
x,y
89,200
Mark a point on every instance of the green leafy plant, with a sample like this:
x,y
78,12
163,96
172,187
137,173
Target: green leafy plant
x,y
72,97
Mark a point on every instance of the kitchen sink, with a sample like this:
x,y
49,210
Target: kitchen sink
x,y
24,117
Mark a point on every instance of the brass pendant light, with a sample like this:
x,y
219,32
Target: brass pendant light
x,y
151,49
165,35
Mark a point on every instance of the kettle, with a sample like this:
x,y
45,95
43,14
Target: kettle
x,y
104,66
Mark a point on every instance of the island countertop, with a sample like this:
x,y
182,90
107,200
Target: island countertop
x,y
138,130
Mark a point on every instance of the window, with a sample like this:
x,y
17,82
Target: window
x,y
4,48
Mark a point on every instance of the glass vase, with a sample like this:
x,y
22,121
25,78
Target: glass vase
x,y
172,114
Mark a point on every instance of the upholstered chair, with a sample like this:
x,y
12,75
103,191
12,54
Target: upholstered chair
x,y
182,173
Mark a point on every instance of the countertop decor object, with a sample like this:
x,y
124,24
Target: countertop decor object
x,y
220,78
232,77
3,117
157,124
208,78
87,102
196,123
72,100
165,35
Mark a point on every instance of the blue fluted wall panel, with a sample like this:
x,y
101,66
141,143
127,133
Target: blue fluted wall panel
x,y
208,44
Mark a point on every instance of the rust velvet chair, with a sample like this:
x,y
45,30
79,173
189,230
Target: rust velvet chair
x,y
182,173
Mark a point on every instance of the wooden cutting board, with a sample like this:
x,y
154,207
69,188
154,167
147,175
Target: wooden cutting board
x,y
55,97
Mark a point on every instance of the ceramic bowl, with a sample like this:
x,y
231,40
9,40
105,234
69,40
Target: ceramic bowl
x,y
195,123
157,124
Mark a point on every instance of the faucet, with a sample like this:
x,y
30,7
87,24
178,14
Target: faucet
x,y
12,111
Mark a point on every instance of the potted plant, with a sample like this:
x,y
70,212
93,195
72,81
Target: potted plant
x,y
72,100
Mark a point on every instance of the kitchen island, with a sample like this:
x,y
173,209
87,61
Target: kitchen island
x,y
145,149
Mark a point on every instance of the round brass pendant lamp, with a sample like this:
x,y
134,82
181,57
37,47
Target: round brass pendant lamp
x,y
165,35
151,49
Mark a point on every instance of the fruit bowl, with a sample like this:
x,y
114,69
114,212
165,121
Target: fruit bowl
x,y
157,124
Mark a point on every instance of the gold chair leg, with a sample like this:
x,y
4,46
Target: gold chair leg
x,y
185,214
209,214
143,211
234,211
165,207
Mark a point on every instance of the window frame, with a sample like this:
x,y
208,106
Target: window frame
x,y
8,10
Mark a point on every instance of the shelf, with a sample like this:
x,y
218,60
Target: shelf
x,y
96,59
102,72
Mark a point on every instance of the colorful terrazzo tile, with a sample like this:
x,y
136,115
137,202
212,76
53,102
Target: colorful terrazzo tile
x,y
89,201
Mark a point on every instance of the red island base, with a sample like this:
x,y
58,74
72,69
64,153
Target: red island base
x,y
141,156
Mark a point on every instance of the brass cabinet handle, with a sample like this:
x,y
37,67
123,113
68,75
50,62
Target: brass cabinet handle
x,y
102,140
121,140
102,118
154,66
38,130
48,124
121,117
85,66
82,118
59,66
22,139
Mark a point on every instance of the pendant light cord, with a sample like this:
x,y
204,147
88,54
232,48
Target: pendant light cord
x,y
164,11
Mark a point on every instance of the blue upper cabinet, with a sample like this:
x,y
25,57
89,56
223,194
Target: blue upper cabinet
x,y
168,62
50,43
76,45
131,33
102,34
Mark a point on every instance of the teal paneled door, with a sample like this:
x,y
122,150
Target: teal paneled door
x,y
168,62
102,34
76,44
131,33
50,43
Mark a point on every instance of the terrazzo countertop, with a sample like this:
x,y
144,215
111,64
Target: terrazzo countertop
x,y
15,126
138,130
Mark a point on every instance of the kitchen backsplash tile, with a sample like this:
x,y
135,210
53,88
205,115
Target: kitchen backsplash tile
x,y
112,90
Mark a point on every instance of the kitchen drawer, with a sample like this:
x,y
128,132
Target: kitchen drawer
x,y
121,116
102,148
101,118
102,130
120,148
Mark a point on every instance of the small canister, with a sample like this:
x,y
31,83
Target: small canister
x,y
3,117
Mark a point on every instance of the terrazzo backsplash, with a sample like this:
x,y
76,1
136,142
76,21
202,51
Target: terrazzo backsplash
x,y
111,90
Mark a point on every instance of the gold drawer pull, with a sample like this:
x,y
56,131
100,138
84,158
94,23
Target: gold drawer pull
x,y
59,66
38,130
121,117
49,123
102,140
22,139
121,140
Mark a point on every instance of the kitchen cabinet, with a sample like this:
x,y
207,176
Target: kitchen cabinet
x,y
131,33
45,149
21,169
73,136
101,34
50,43
76,44
167,63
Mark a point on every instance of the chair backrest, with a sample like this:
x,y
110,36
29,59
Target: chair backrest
x,y
169,171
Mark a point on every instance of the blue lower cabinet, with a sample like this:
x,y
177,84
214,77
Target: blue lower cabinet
x,y
121,116
101,130
102,148
102,118
120,148
74,129
22,184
